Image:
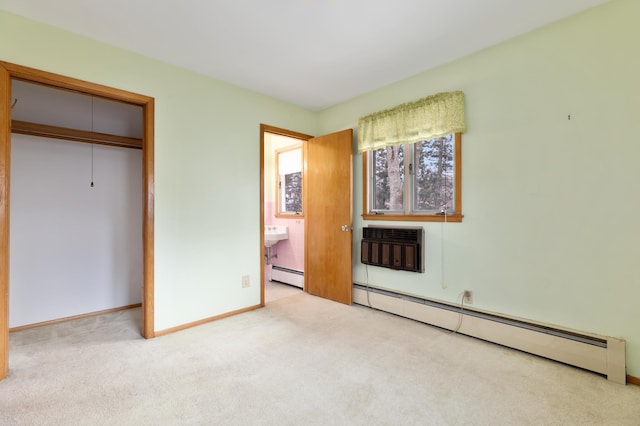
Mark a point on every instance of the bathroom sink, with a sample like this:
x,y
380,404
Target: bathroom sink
x,y
275,233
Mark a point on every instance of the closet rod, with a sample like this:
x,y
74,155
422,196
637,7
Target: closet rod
x,y
56,132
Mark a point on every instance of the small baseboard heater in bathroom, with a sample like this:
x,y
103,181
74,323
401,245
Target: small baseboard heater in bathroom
x,y
600,354
287,276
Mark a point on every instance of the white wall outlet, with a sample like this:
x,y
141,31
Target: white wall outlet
x,y
468,297
245,281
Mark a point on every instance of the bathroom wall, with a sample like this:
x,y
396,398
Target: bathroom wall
x,y
291,251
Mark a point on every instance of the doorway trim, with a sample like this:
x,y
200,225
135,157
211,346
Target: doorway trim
x,y
9,71
265,128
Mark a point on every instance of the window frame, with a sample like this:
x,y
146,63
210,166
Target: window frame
x,y
454,216
279,213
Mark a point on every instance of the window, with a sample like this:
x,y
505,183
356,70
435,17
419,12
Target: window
x,y
412,163
414,182
289,180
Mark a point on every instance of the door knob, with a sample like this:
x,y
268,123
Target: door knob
x,y
345,227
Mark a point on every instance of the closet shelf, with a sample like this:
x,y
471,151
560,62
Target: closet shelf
x,y
56,132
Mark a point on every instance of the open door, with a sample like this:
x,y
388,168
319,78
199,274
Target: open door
x,y
328,216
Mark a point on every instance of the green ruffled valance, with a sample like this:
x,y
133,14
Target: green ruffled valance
x,y
427,118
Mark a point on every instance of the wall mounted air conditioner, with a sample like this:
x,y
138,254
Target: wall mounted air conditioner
x,y
399,248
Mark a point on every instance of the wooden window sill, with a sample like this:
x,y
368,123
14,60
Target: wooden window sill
x,y
453,217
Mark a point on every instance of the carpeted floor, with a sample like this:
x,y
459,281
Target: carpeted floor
x,y
301,360
274,290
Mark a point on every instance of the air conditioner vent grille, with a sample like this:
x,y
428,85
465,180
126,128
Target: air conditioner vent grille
x,y
391,234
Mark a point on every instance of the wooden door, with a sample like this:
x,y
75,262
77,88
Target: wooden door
x,y
327,216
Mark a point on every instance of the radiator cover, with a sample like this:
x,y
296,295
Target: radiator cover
x,y
393,247
287,276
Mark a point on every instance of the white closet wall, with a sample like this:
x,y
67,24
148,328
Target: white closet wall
x,y
74,248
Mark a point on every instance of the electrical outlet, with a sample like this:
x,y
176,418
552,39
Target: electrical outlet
x,y
245,281
468,296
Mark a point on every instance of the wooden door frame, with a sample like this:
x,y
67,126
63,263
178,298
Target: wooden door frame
x,y
265,128
9,71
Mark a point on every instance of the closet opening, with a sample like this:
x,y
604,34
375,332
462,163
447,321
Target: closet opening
x,y
70,160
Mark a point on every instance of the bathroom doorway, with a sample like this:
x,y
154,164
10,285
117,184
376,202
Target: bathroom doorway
x,y
327,204
282,213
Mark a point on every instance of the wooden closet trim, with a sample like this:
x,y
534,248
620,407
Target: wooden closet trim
x,y
5,161
9,71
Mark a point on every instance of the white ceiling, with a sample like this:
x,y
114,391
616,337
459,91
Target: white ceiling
x,y
313,53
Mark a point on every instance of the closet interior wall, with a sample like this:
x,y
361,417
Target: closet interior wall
x,y
76,204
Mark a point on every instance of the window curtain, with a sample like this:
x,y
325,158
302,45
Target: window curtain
x,y
424,119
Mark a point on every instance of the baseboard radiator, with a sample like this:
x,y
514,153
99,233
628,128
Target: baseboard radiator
x,y
600,354
287,276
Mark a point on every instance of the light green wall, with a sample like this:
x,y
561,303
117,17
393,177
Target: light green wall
x,y
550,230
207,165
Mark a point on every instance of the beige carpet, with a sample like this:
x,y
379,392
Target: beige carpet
x,y
274,290
299,361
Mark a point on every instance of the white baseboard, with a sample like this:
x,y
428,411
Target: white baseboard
x,y
287,276
601,354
